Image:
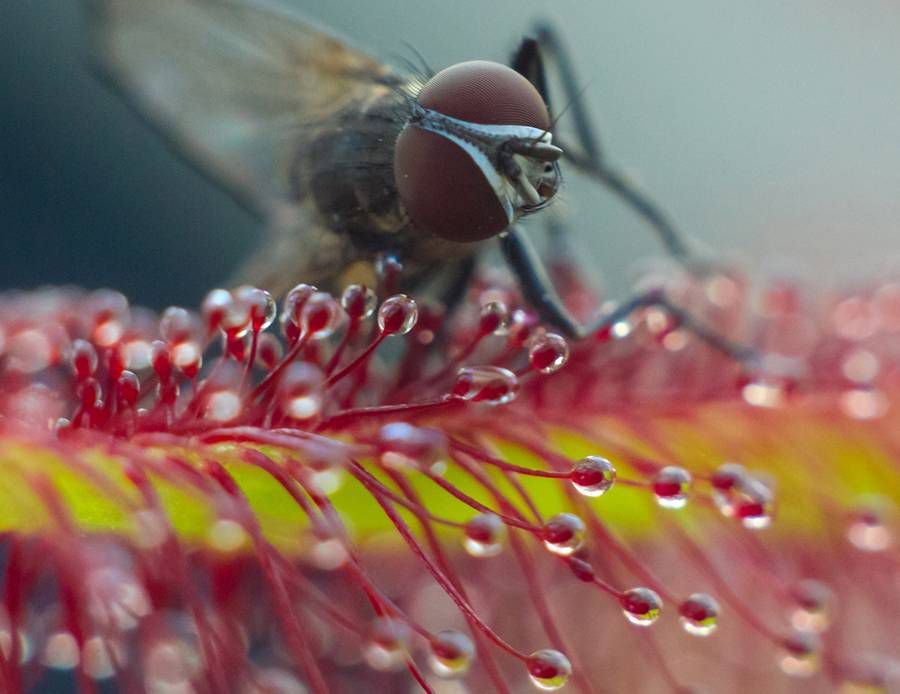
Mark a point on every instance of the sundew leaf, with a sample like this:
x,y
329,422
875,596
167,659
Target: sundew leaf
x,y
329,508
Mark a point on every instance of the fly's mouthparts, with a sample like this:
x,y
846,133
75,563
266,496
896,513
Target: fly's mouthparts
x,y
535,149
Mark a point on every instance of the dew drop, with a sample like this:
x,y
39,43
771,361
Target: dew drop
x,y
402,445
763,393
864,403
235,319
169,665
754,504
151,529
671,486
223,406
260,305
386,647
593,476
563,534
268,351
450,654
725,481
137,354
320,315
328,555
177,325
699,614
29,351
492,385
523,326
226,535
641,606
300,391
128,389
397,315
187,356
800,656
860,366
358,301
867,530
101,657
548,353
548,669
83,359
273,680
485,535
812,600
61,651
216,306
493,319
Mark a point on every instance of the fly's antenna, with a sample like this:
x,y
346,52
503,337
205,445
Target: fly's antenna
x,y
565,108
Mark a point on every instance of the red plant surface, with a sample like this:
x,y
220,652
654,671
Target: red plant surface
x,y
474,499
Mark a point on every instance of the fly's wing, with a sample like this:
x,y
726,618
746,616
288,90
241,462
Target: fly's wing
x,y
234,86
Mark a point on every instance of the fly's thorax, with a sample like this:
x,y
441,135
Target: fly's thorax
x,y
345,166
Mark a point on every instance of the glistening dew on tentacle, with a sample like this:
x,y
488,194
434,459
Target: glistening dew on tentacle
x,y
191,502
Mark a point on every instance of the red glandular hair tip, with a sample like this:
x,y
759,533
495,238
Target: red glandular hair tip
x,y
432,508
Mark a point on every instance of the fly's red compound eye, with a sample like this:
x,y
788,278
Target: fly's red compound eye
x,y
443,189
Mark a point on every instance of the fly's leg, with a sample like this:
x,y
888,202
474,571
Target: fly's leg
x,y
540,293
586,153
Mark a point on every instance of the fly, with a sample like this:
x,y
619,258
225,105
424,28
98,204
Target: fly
x,y
347,159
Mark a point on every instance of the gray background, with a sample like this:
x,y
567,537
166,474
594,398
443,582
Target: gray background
x,y
768,128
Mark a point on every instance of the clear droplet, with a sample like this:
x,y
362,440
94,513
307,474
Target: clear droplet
x,y
492,385
260,306
386,647
320,315
548,669
177,325
699,614
641,606
867,530
269,351
762,393
812,601
300,390
725,481
801,654
402,445
860,366
226,535
187,356
864,403
61,651
397,315
485,535
563,534
329,554
358,301
294,301
593,476
223,406
450,654
548,353
216,306
671,486
101,657
493,319
83,358
754,504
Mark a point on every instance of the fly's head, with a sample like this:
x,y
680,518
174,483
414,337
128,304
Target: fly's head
x,y
477,153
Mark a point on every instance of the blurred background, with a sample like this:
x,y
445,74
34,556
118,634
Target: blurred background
x,y
769,130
